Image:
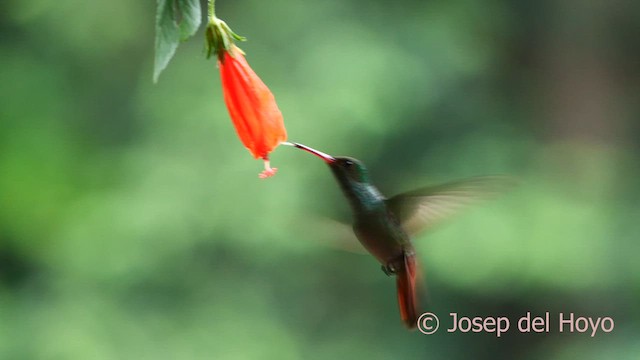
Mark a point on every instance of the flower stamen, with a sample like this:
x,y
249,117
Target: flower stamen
x,y
268,170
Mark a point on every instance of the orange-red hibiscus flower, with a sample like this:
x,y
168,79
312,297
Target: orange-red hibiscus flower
x,y
252,107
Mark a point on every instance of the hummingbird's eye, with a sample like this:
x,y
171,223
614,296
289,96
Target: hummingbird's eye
x,y
348,163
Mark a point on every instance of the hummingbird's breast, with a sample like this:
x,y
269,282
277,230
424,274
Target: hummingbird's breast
x,y
381,234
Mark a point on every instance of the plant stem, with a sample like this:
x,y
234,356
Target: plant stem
x,y
212,11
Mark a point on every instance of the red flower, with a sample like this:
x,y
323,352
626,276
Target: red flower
x,y
252,107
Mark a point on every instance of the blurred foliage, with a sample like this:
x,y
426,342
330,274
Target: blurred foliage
x,y
133,224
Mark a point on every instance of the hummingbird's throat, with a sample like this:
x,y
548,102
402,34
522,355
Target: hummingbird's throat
x,y
326,157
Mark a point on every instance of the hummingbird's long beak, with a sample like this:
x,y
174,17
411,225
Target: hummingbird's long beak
x,y
326,157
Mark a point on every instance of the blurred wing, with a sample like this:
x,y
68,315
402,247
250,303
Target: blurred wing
x,y
422,208
333,233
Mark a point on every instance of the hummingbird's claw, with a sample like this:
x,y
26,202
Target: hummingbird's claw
x,y
389,269
392,266
386,270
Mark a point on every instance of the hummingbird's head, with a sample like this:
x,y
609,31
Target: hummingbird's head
x,y
352,176
345,169
349,169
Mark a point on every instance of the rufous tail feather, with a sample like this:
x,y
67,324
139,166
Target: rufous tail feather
x,y
406,284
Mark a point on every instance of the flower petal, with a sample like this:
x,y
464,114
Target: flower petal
x,y
252,106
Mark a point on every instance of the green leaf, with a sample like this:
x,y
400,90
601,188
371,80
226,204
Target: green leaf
x,y
176,20
191,18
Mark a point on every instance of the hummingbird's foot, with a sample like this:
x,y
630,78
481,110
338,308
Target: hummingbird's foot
x,y
392,266
388,269
268,170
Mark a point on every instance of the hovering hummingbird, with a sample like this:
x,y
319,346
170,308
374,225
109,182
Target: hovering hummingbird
x,y
384,225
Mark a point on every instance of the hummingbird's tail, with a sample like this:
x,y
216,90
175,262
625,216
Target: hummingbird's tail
x,y
406,284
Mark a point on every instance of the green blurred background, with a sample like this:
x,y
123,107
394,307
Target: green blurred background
x,y
133,224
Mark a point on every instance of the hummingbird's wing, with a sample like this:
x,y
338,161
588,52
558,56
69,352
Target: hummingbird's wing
x,y
330,232
422,208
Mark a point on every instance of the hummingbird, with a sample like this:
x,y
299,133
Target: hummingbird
x,y
384,226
